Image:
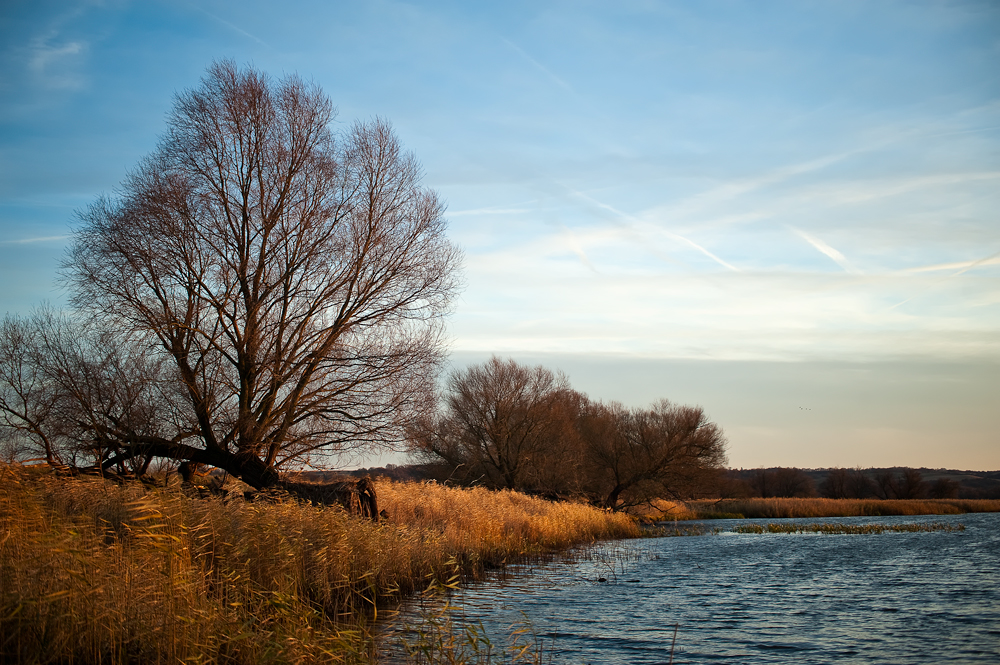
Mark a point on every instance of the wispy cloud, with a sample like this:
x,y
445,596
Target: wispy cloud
x,y
887,187
825,249
578,249
542,68
53,59
490,211
961,266
29,241
55,64
735,188
44,55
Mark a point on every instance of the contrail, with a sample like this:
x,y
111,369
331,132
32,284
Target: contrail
x,y
232,26
669,234
825,249
963,268
539,65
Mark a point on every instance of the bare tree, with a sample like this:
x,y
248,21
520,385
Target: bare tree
x,y
501,420
761,482
944,488
73,395
885,485
792,482
27,401
636,455
911,485
294,280
835,485
508,425
859,485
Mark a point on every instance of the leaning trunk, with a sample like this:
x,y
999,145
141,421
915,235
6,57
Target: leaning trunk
x,y
612,501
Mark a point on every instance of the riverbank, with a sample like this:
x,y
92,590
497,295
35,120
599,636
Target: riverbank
x,y
95,572
757,508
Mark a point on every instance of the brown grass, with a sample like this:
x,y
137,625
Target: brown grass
x,y
817,507
93,572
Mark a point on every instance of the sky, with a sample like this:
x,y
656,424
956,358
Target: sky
x,y
785,212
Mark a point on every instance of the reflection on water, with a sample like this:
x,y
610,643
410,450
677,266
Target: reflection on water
x,y
925,597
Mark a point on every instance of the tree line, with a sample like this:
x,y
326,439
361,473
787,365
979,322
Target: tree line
x,y
505,425
838,483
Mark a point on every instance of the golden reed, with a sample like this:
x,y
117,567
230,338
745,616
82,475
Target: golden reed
x,y
95,572
817,507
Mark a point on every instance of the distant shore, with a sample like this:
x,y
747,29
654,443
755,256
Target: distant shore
x,y
757,508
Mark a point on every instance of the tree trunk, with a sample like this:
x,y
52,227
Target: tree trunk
x,y
612,500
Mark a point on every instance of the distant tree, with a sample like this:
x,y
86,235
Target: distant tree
x,y
635,455
907,484
885,484
911,485
761,483
944,488
859,485
289,282
836,483
500,424
846,484
791,482
781,482
731,484
503,424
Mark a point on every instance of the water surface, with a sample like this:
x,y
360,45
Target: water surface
x,y
925,597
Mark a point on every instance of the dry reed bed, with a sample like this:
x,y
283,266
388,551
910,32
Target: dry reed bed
x,y
818,507
93,572
848,529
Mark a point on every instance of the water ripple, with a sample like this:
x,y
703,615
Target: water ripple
x,y
924,597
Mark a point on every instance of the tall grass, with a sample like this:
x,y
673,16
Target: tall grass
x,y
494,527
817,507
95,572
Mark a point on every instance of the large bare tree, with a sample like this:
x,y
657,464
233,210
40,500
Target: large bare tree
x,y
293,278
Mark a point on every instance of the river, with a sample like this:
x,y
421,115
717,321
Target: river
x,y
913,598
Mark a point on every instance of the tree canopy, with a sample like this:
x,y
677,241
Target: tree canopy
x,y
286,283
503,424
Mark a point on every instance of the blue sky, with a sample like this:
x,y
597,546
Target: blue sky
x,y
744,205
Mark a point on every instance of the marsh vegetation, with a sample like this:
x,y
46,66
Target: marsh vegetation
x,y
758,508
92,571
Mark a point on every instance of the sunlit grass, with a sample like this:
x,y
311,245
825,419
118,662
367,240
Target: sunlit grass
x,y
95,572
